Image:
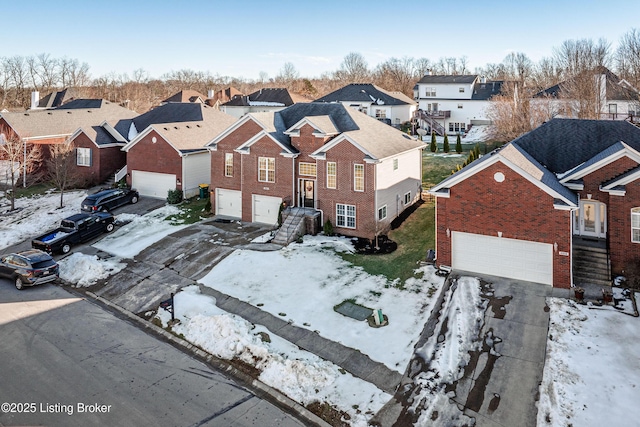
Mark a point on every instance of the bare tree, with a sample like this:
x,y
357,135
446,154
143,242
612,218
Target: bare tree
x,y
628,57
61,168
288,74
576,56
73,73
353,69
17,158
18,74
397,74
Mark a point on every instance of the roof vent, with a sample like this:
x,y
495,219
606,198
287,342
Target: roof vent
x,y
68,112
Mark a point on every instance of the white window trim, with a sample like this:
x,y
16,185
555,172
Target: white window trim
x,y
637,214
346,217
355,177
270,174
228,157
334,175
309,165
407,200
395,164
383,210
86,159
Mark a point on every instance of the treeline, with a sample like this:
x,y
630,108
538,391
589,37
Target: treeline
x,y
20,75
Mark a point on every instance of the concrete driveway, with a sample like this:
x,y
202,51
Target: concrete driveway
x,y
500,383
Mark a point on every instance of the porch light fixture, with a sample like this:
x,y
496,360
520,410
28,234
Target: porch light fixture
x,y
448,233
555,247
499,233
589,196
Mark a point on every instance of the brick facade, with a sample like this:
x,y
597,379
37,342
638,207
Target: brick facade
x,y
149,156
104,161
515,207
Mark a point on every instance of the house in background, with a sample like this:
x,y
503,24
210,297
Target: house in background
x,y
186,96
97,154
165,148
263,100
223,96
393,108
351,169
614,98
54,99
559,205
454,103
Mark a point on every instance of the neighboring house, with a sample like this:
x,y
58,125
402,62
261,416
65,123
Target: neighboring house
x,y
357,172
614,98
97,156
222,96
54,99
453,103
166,148
525,210
263,100
393,108
186,96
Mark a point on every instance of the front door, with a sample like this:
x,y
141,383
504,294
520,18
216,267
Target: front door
x,y
591,219
307,193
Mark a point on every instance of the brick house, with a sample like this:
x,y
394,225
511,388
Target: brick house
x,y
530,209
356,171
166,148
89,124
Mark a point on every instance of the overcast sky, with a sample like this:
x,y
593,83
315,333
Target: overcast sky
x,y
241,38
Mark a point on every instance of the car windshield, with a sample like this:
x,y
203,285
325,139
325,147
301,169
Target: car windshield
x,y
43,263
89,201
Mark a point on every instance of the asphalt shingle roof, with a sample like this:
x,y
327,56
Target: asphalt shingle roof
x,y
365,92
469,78
267,95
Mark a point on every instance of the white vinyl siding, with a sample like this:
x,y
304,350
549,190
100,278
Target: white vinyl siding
x,y
196,170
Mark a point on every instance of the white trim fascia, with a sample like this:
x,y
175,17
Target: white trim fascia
x,y
403,152
192,153
628,151
623,181
258,136
113,132
564,207
289,155
335,142
319,156
445,193
144,133
616,192
242,120
295,129
575,187
31,138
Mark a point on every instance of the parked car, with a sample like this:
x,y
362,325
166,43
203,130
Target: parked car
x,y
109,199
76,229
29,268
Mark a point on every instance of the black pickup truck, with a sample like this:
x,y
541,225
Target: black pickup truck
x,y
76,229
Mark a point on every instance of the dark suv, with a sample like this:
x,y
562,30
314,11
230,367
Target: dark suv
x,y
29,268
109,199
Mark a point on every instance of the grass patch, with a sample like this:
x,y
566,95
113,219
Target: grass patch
x,y
414,237
191,211
32,190
438,166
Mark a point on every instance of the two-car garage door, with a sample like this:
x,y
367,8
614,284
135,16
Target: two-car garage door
x,y
499,256
264,209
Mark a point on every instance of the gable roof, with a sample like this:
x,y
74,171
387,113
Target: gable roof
x,y
186,96
276,97
563,144
56,99
366,92
186,135
172,112
615,87
448,79
485,90
65,120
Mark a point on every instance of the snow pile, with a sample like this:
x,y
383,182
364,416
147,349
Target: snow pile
x,y
86,270
300,375
447,353
592,372
35,215
140,233
303,282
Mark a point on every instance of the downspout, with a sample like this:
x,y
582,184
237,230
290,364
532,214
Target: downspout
x,y
24,166
293,181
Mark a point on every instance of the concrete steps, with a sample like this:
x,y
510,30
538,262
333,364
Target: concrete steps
x,y
591,265
292,227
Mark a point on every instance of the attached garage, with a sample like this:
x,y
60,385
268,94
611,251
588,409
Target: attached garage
x,y
265,209
153,184
229,203
499,256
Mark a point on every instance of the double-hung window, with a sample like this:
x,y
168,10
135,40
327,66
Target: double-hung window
x,y
358,177
266,169
635,225
228,164
331,174
382,213
345,216
83,156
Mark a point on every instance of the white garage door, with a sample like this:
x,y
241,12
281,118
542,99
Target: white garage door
x,y
152,184
498,256
229,203
266,208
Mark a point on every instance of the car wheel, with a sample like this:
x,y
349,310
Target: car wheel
x,y
66,248
109,228
103,209
19,283
134,199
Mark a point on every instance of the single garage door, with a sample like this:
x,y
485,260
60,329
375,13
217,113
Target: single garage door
x,y
498,256
266,208
229,203
153,184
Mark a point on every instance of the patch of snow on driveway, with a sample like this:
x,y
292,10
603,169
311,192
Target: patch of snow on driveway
x,y
85,270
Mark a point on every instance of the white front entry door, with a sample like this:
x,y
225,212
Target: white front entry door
x,y
591,219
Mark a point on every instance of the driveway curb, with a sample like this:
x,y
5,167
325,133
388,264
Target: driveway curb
x,y
256,385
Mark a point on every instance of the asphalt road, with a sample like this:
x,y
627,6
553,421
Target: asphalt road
x,y
65,361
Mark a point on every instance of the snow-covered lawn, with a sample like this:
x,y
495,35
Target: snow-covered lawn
x,y
592,369
35,215
303,282
140,232
300,375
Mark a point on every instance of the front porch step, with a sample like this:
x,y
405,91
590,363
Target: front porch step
x,y
591,265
